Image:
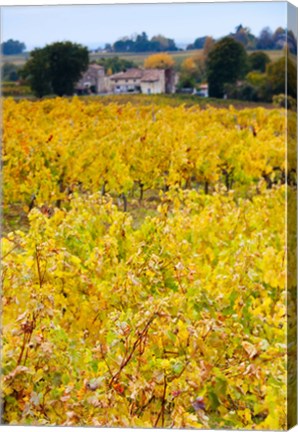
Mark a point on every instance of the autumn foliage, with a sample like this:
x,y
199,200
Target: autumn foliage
x,y
165,316
159,61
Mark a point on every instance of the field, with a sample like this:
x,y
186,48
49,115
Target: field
x,y
144,264
138,58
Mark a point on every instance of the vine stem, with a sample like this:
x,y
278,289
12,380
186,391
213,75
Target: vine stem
x,y
163,404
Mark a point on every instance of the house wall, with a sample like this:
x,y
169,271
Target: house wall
x,y
155,87
101,85
92,78
125,85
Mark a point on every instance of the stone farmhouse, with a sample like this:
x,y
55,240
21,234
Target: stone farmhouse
x,y
92,81
147,81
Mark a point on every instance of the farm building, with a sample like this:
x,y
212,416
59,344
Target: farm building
x,y
147,81
92,81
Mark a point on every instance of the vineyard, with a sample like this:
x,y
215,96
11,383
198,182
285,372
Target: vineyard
x,y
144,265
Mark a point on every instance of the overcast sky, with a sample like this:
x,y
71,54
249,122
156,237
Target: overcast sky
x,y
94,25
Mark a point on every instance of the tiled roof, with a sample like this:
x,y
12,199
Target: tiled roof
x,y
147,75
151,75
129,74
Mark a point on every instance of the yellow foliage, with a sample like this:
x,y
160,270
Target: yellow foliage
x,y
159,61
176,321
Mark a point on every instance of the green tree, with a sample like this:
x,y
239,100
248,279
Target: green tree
x,y
280,71
258,61
56,68
116,64
226,63
37,73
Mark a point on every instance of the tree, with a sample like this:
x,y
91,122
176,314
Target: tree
x,y
108,47
56,68
258,61
198,43
208,45
123,45
226,63
193,71
189,73
291,42
244,36
265,40
161,43
10,72
141,43
116,64
280,71
159,61
37,73
12,47
279,38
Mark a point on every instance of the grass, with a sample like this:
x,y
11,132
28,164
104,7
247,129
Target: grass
x,y
138,58
18,60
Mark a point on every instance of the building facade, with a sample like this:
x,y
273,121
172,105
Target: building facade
x,y
92,81
135,80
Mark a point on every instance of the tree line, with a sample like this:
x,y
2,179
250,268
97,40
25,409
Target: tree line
x,y
267,39
142,43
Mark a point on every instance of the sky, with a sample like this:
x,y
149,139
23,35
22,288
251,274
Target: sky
x,y
95,25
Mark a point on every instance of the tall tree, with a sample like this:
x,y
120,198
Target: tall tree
x,y
244,36
279,38
56,68
265,40
37,72
226,63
